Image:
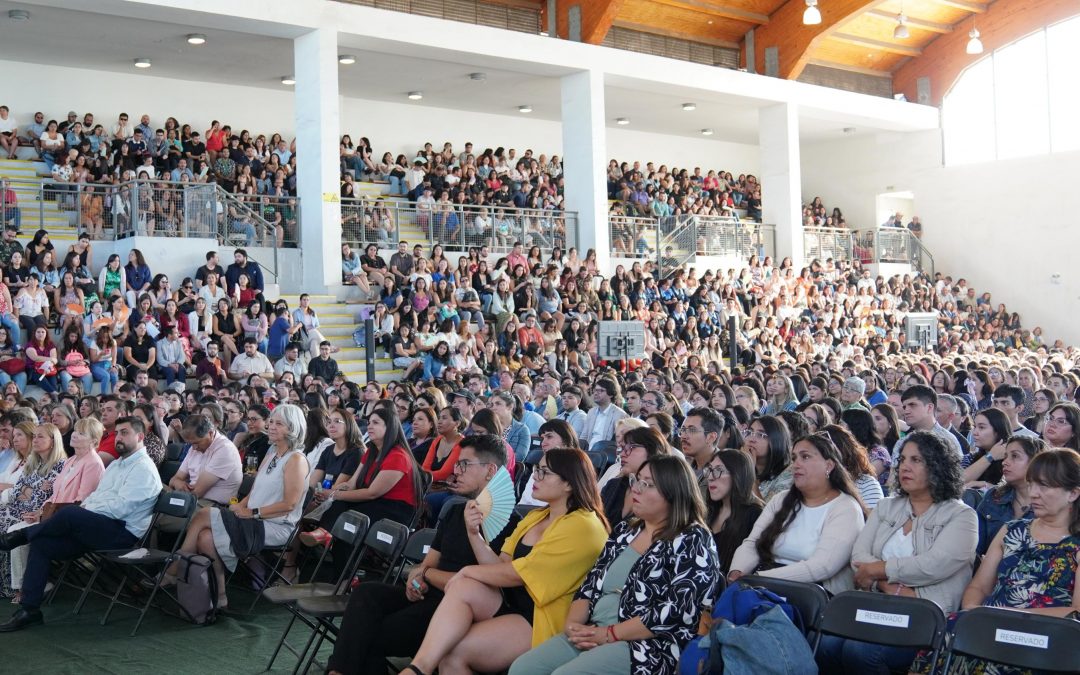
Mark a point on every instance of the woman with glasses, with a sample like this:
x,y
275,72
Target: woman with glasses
x,y
1043,400
732,507
254,443
1063,426
769,444
637,447
806,533
666,555
495,611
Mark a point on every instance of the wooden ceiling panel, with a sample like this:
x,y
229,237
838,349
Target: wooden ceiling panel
x,y
881,27
678,22
865,58
930,10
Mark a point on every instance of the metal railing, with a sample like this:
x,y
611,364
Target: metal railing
x,y
823,243
892,245
456,226
640,237
723,236
676,242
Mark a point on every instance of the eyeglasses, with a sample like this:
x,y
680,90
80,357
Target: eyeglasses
x,y
542,472
686,431
253,418
639,485
1057,420
715,472
463,465
628,448
757,434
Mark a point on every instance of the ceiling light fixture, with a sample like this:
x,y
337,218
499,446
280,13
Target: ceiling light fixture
x,y
18,15
811,16
974,45
346,59
416,95
288,80
142,63
689,106
196,39
901,31
622,121
477,77
706,132
525,109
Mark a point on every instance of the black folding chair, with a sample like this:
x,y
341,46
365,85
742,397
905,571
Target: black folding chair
x,y
810,599
385,539
886,620
350,528
273,570
176,504
246,483
416,548
1014,638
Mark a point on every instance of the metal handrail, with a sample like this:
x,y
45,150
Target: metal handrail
x,y
645,237
380,221
828,242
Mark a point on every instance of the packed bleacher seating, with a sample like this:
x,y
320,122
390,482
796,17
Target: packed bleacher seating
x,y
830,454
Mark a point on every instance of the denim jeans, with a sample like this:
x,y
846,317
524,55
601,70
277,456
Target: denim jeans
x,y
104,376
171,375
397,185
851,657
13,214
12,324
87,381
19,379
245,228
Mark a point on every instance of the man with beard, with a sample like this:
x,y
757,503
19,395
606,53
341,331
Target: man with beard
x,y
390,620
114,516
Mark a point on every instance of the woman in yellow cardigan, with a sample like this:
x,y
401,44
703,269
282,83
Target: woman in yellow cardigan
x,y
497,610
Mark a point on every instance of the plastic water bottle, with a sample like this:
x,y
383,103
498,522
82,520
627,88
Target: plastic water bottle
x,y
327,484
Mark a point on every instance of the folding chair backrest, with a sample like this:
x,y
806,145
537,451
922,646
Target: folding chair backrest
x,y
387,538
810,599
885,620
167,469
351,527
246,483
173,451
1014,638
176,504
599,462
418,545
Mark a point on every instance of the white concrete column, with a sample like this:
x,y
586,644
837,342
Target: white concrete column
x,y
781,178
584,162
316,108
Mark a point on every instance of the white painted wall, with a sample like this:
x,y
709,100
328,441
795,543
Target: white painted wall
x,y
394,127
1006,226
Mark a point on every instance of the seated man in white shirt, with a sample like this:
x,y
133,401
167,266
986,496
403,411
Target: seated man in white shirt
x,y
251,362
211,470
114,516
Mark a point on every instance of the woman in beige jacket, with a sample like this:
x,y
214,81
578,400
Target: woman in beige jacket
x,y
919,543
807,533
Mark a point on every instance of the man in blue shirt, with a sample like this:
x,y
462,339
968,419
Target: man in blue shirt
x,y
243,266
115,516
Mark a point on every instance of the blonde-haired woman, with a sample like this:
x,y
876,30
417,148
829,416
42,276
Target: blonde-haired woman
x,y
33,488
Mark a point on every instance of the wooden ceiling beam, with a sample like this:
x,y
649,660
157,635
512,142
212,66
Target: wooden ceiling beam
x,y
921,24
848,67
721,11
596,18
793,40
679,35
879,45
966,5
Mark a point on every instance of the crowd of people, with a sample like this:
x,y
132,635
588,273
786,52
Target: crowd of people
x,y
829,451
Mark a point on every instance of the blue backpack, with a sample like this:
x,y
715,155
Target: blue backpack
x,y
739,605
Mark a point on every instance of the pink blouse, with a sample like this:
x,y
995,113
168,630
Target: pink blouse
x,y
78,478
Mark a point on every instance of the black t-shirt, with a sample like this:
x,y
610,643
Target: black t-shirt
x,y
195,149
452,540
333,466
200,274
140,351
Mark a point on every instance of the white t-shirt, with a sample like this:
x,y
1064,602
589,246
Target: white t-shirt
x,y
799,541
899,545
8,125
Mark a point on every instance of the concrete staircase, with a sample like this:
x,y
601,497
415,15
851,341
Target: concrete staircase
x,y
337,323
60,222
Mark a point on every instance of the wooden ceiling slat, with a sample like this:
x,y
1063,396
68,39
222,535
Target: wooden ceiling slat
x,y
891,47
913,22
722,11
966,5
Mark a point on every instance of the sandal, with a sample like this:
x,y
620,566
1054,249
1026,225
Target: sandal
x,y
316,537
415,670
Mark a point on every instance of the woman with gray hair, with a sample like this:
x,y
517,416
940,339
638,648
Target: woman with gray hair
x,y
268,515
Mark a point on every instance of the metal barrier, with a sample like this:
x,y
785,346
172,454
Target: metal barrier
x,y
892,245
456,226
822,243
677,242
639,237
632,236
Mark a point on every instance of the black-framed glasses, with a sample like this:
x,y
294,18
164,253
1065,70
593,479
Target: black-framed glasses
x,y
627,448
542,472
463,465
687,431
714,472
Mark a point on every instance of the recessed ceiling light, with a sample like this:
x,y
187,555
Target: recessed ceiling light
x,y
18,15
288,80
525,109
689,106
346,59
849,130
196,39
706,132
416,95
142,63
622,121
477,77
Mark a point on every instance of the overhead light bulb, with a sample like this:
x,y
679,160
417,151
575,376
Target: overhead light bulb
x,y
901,31
142,63
974,45
706,132
525,109
622,121
416,95
18,15
688,107
346,59
812,15
196,39
288,80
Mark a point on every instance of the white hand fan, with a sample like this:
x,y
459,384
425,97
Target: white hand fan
x,y
496,502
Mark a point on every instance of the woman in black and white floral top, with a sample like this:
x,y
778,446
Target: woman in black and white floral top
x,y
641,602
